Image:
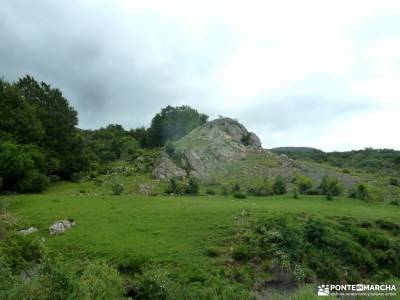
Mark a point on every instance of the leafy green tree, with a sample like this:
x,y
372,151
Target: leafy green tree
x,y
303,183
110,143
18,119
193,186
236,188
19,168
330,186
295,192
173,123
140,134
61,139
169,148
117,188
279,186
360,191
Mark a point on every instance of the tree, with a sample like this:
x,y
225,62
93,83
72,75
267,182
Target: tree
x,y
303,183
360,191
19,168
110,143
140,134
330,186
18,119
173,123
279,186
61,139
193,186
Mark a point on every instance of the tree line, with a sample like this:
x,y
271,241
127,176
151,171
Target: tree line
x,y
40,141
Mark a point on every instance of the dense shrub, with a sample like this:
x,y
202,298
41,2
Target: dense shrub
x,y
169,148
246,139
212,252
360,191
241,252
393,181
310,249
236,188
20,168
264,190
210,191
117,188
173,123
19,251
330,186
239,195
172,187
100,281
279,186
295,192
130,264
303,183
224,191
153,283
193,186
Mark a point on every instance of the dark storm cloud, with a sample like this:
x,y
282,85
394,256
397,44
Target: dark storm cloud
x,y
85,52
122,61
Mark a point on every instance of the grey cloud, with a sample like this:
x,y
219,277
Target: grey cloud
x,y
294,111
122,68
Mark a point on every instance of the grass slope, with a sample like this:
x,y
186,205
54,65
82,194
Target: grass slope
x,y
174,230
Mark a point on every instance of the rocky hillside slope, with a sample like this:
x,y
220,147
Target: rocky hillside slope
x,y
224,151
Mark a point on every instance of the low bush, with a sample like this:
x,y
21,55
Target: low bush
x,y
303,184
76,177
101,281
117,189
260,191
239,195
394,181
153,283
192,187
224,191
236,188
210,192
241,252
330,186
360,191
212,252
279,186
130,264
327,250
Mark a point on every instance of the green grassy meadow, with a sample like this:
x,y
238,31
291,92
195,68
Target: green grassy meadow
x,y
172,232
165,228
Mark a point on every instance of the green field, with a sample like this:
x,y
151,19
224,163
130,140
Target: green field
x,y
175,233
165,228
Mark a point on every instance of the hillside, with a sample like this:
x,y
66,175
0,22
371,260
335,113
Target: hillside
x,y
224,151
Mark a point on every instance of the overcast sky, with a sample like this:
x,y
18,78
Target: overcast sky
x,y
317,73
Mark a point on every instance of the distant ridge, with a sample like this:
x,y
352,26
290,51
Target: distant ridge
x,y
295,149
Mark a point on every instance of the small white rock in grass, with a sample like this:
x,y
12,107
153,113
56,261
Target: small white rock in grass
x,y
61,226
30,230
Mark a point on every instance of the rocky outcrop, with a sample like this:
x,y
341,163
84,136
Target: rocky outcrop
x,y
223,150
61,226
207,148
29,230
167,169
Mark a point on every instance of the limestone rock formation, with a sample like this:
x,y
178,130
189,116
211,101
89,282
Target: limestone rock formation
x,y
29,230
223,150
61,226
206,148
